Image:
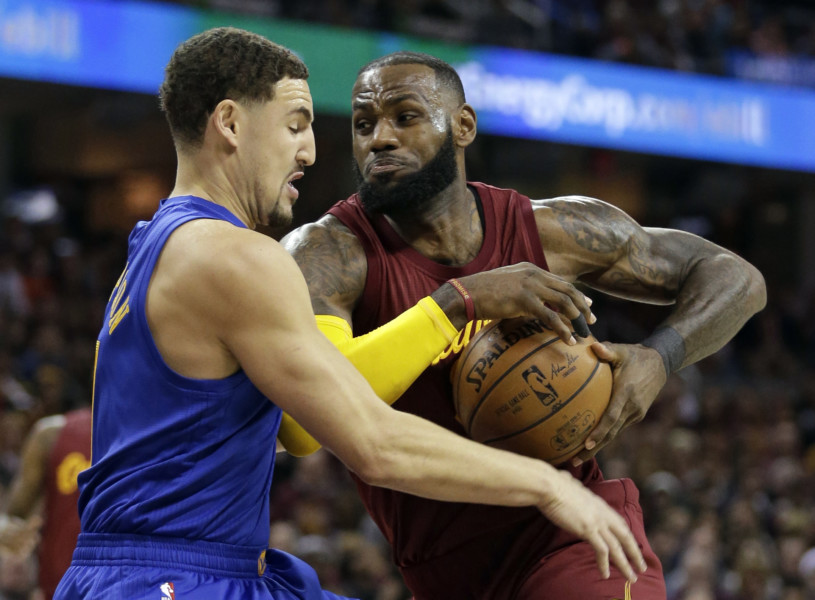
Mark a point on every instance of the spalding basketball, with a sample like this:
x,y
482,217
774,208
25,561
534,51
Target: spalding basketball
x,y
519,387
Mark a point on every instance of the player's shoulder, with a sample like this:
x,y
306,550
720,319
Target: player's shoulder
x,y
219,259
575,210
46,430
569,203
49,423
212,244
573,203
327,233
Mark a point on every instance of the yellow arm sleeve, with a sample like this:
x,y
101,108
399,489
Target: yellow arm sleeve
x,y
390,357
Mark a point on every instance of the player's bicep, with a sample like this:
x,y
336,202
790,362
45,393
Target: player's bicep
x,y
272,333
267,314
333,264
29,483
653,266
306,376
591,241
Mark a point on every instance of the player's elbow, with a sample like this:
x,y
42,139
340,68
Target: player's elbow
x,y
373,472
755,289
737,279
377,458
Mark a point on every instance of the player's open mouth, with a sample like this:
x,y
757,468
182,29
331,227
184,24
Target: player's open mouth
x,y
290,183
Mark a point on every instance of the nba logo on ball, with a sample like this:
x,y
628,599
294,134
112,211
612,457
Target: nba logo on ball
x,y
519,387
167,591
536,380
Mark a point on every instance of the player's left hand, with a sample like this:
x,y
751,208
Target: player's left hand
x,y
639,375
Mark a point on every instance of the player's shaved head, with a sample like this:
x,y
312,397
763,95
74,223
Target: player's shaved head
x,y
446,76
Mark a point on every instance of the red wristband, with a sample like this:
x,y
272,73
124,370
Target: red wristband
x,y
469,307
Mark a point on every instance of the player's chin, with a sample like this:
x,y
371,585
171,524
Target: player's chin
x,y
280,218
282,214
382,180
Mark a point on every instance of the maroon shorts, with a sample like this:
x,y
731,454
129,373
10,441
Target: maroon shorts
x,y
537,561
571,572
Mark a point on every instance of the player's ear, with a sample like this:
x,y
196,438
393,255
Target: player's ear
x,y
464,125
224,120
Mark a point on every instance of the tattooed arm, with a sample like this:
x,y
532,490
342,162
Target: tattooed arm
x,y
713,292
333,263
335,268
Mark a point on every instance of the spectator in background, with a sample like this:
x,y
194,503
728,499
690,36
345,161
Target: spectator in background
x,y
56,451
18,578
13,298
806,570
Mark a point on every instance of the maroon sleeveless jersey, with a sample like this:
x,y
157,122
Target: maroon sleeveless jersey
x,y
70,454
473,551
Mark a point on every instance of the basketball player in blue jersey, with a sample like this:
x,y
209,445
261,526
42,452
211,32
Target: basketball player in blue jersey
x,y
418,227
209,335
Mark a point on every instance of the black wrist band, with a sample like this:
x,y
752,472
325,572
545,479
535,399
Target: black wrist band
x,y
670,345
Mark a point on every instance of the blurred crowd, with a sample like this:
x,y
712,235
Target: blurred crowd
x,y
688,35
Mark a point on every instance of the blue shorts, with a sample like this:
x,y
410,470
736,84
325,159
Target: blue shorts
x,y
125,567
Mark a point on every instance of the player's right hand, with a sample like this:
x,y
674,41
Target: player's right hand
x,y
526,290
577,509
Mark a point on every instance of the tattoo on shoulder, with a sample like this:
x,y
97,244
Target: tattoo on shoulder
x,y
593,225
332,262
603,229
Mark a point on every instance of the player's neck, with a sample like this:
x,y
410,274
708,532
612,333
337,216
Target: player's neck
x,y
448,230
201,180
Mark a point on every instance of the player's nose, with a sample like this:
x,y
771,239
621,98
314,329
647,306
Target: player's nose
x,y
384,136
307,154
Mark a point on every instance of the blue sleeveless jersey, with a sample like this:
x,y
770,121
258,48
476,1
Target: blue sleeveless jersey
x,y
172,456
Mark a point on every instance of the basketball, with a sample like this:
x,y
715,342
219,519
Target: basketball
x,y
519,387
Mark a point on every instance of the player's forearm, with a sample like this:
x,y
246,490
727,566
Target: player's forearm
x,y
716,299
421,458
391,448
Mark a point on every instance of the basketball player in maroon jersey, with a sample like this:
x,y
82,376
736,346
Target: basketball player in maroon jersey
x,y
417,227
57,449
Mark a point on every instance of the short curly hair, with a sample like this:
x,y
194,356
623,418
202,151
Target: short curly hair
x,y
220,63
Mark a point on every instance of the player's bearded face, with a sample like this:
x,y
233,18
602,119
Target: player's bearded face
x,y
410,193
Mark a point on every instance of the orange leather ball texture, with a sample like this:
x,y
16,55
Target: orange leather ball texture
x,y
519,387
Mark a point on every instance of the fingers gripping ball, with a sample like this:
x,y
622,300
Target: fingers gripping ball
x,y
519,387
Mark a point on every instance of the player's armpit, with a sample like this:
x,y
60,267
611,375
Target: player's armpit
x,y
391,358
